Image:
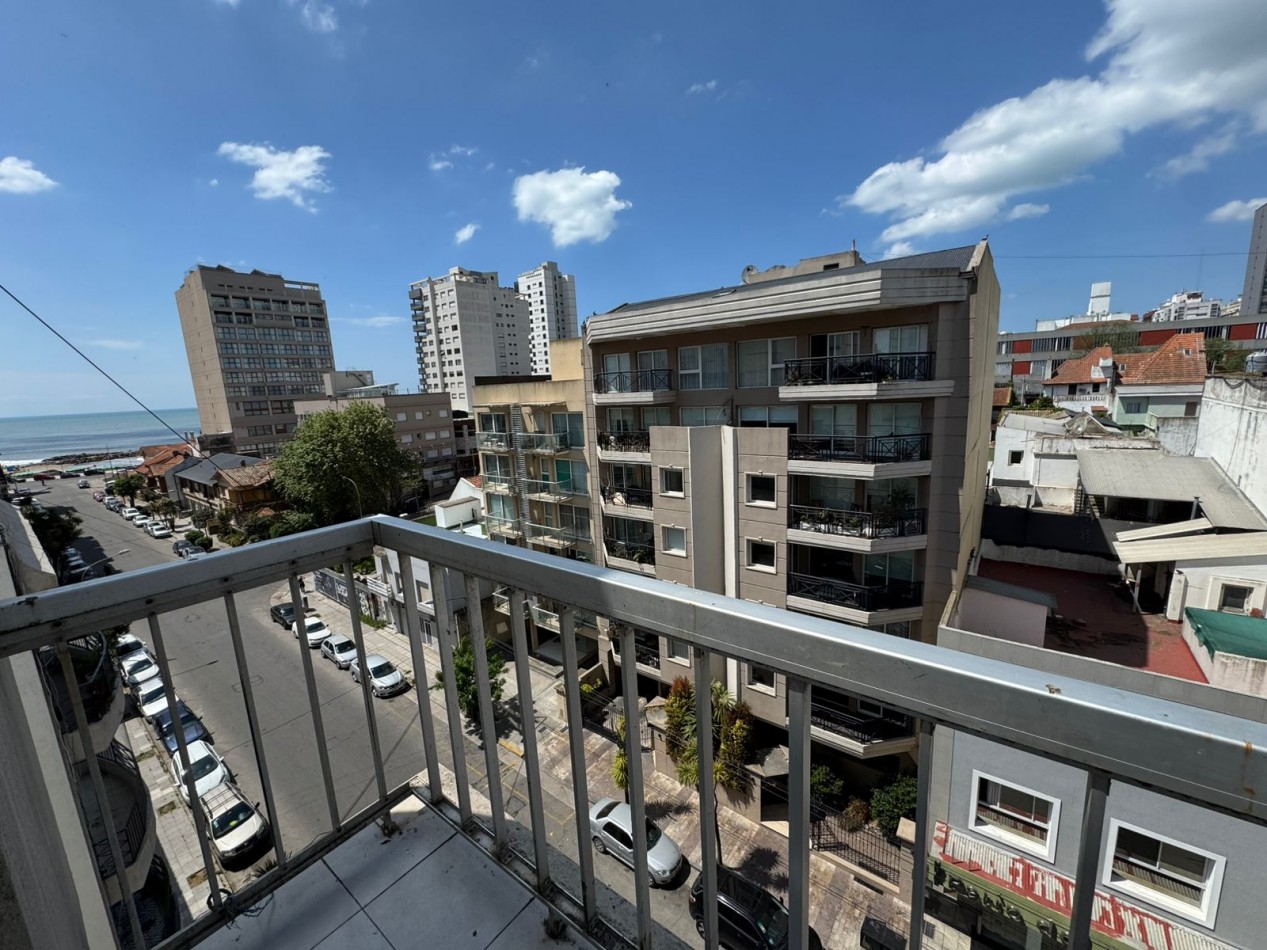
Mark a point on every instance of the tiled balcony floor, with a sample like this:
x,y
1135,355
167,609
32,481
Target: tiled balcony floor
x,y
425,886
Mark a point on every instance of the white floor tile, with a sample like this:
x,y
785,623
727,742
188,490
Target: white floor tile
x,y
368,863
299,916
359,933
527,931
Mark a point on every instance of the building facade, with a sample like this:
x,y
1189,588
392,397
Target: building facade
x,y
551,300
467,325
1254,295
255,342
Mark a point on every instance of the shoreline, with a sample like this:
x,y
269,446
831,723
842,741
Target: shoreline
x,y
72,461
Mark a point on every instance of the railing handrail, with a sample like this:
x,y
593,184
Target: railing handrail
x,y
859,368
627,440
1207,756
634,497
853,522
905,447
634,381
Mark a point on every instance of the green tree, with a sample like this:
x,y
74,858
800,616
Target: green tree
x,y
54,529
465,680
291,522
620,764
344,464
892,802
129,486
1223,356
200,517
1120,337
166,509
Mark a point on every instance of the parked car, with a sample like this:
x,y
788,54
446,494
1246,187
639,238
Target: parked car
x,y
610,827
158,529
98,496
113,504
196,554
151,698
208,769
315,630
129,513
143,522
183,546
339,650
747,916
82,483
138,668
283,614
128,644
194,729
236,826
385,679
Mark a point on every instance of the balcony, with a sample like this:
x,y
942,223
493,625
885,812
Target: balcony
x,y
99,688
501,484
472,861
856,603
546,489
645,387
867,737
543,443
877,532
504,527
637,556
493,441
627,502
860,456
556,537
631,446
864,376
130,811
646,647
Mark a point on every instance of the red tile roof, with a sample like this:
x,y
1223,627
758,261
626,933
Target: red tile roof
x,y
1181,359
1002,396
247,476
161,462
1079,370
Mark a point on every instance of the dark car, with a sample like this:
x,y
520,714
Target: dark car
x,y
747,916
183,546
283,614
194,729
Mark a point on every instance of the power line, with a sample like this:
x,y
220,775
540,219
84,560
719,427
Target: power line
x,y
1117,257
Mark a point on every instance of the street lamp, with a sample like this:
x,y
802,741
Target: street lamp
x,y
360,512
101,560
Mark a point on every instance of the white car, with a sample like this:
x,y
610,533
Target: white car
x,y
208,768
143,522
385,679
127,644
128,513
138,668
315,630
151,697
157,529
236,827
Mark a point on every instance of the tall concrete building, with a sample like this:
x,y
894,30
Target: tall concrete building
x,y
467,325
1254,296
255,342
551,311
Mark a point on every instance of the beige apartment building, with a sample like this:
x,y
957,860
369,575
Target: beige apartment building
x,y
256,342
814,439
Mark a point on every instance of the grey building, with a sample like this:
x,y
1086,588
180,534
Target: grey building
x,y
1254,296
551,300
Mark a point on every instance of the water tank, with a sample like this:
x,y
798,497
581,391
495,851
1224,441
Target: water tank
x,y
1256,362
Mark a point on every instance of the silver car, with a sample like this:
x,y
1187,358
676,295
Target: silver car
x,y
385,679
610,824
339,650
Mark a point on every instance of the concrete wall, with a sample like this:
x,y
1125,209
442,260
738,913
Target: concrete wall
x,y
1004,617
1200,583
761,452
1230,671
1233,432
1178,434
1044,557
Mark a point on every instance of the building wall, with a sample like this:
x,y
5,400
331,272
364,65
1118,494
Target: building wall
x,y
1200,583
760,452
1007,618
1230,671
1233,429
1170,402
1254,294
551,300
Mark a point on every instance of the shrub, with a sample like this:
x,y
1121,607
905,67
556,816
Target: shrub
x,y
373,622
892,802
825,786
856,814
205,542
679,717
194,535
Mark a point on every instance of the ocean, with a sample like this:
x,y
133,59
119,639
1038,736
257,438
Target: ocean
x,y
27,440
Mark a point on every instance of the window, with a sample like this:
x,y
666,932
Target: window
x,y
1163,871
674,540
671,481
760,677
760,362
893,418
1234,599
677,650
1133,407
761,555
704,416
1015,815
401,417
1015,458
909,339
703,367
760,490
766,417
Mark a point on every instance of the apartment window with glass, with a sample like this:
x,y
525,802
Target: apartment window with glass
x,y
760,490
570,424
761,677
704,415
833,420
671,481
1014,814
653,369
833,344
677,650
761,362
768,417
1168,873
674,540
893,418
909,339
761,555
656,416
492,422
703,367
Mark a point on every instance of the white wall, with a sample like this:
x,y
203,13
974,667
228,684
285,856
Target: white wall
x,y
1199,583
1006,441
1233,432
1241,674
1006,618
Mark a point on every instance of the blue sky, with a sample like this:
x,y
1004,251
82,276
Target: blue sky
x,y
649,148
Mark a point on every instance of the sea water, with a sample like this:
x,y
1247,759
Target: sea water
x,y
27,440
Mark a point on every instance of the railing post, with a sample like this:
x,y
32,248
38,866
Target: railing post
x,y
446,632
798,719
488,719
1089,846
709,858
314,703
413,630
637,791
528,720
576,746
371,720
919,874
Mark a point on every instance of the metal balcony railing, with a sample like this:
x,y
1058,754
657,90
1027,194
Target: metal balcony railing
x,y
861,729
899,523
1205,758
872,449
637,440
628,497
493,441
869,597
634,381
544,443
497,483
641,552
552,488
560,535
863,368
131,834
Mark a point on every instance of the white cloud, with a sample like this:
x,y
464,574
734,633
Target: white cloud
x,y
465,233
317,16
1027,210
1236,210
18,176
1168,63
577,206
462,150
114,344
214,183
439,164
899,249
1197,159
282,174
696,88
228,3
375,323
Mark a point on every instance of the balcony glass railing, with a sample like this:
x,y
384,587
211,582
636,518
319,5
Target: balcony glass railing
x,y
638,440
552,488
563,535
640,552
546,443
899,523
870,449
635,381
869,597
497,483
493,441
863,368
628,497
1105,735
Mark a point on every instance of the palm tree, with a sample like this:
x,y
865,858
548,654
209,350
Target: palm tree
x,y
620,764
163,507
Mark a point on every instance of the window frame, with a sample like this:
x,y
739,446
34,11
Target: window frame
x,y
1015,456
664,540
671,644
761,503
774,369
697,371
1249,589
1045,850
751,683
1208,911
750,564
680,491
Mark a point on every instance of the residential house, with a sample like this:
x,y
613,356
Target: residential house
x,y
227,481
158,460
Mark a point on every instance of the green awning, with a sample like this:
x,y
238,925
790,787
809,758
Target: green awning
x,y
1229,633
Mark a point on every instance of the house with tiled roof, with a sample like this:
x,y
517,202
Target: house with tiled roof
x,y
225,480
158,460
1084,384
1164,388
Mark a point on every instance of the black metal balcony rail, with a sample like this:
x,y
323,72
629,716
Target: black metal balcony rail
x,y
95,675
634,440
1202,757
646,646
861,368
871,525
861,729
634,381
627,497
132,833
869,597
871,449
640,552
496,441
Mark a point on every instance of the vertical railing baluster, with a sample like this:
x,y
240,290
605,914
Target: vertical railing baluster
x,y
798,716
314,702
182,751
576,746
488,720
253,722
528,718
103,802
709,848
367,691
1089,846
446,630
413,630
919,874
637,791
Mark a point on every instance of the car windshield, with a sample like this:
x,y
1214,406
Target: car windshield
x,y
653,834
221,825
382,669
153,695
204,767
771,919
142,665
345,646
186,718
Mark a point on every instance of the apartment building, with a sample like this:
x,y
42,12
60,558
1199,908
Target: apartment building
x,y
814,442
535,472
551,300
255,342
467,325
1254,296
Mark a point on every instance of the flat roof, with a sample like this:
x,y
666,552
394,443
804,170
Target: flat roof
x,y
1195,526
1201,547
1229,633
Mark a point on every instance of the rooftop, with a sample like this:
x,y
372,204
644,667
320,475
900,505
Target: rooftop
x,y
1178,361
1222,632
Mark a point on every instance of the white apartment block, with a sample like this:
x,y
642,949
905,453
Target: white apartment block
x,y
551,300
467,325
1188,305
